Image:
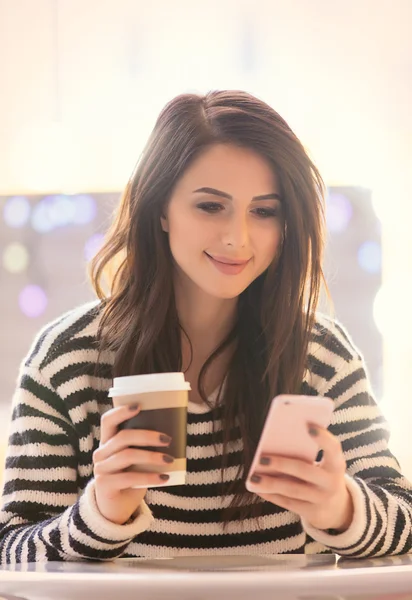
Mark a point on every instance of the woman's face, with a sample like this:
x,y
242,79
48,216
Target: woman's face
x,y
224,220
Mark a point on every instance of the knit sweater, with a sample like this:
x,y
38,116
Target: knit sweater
x,y
49,509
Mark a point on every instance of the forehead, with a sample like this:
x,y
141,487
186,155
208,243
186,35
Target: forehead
x,y
230,169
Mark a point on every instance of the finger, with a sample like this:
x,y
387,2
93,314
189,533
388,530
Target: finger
x,y
332,459
297,490
111,420
292,468
131,456
130,437
114,483
300,507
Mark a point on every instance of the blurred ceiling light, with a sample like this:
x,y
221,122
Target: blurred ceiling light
x,y
42,156
391,201
17,211
33,301
392,314
15,258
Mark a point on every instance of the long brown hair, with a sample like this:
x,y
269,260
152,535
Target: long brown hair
x,y
275,313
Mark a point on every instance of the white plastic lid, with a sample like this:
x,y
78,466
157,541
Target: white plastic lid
x,y
156,382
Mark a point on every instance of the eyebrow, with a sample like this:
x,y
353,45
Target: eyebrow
x,y
214,192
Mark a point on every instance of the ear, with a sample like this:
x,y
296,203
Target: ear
x,y
164,223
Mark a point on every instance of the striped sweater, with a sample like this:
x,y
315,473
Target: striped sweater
x,y
49,509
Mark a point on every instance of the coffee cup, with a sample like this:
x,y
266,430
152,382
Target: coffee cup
x,y
163,399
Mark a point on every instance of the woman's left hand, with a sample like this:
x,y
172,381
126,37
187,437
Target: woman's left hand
x,y
316,492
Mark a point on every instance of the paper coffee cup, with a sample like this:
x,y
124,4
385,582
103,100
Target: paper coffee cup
x,y
163,399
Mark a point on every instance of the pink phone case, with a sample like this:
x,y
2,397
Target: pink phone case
x,y
286,427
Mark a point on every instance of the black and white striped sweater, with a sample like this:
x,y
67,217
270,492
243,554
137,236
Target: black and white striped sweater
x,y
49,510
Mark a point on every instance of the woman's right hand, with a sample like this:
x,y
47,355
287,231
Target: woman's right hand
x,y
118,450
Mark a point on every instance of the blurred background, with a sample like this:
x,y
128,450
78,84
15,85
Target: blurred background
x,y
82,82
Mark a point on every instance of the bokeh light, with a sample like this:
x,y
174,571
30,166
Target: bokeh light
x,y
52,212
15,258
41,220
33,301
339,212
93,245
85,209
17,211
61,210
370,257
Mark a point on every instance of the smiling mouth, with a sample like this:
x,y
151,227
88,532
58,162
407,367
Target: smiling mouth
x,y
228,261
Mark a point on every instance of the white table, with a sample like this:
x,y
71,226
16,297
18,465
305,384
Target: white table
x,y
203,578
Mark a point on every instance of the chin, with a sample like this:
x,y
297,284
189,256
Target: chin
x,y
229,294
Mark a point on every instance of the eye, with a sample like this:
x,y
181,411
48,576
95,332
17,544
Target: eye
x,y
266,213
210,207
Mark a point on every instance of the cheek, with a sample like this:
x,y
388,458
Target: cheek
x,y
268,243
186,227
187,236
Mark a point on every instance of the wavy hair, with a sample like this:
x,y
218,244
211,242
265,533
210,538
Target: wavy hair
x,y
275,313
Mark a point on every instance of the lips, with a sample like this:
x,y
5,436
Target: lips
x,y
228,261
228,266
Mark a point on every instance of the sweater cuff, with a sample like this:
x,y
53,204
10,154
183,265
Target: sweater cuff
x,y
100,526
356,529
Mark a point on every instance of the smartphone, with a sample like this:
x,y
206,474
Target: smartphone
x,y
286,429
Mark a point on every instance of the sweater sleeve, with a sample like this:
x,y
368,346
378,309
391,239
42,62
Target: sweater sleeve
x,y
44,515
382,497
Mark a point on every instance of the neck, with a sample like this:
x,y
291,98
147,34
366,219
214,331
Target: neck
x,y
205,319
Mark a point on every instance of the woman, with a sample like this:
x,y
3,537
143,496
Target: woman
x,y
215,257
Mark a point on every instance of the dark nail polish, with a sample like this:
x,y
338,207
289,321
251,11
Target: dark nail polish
x,y
313,431
165,439
133,407
168,459
256,479
265,460
164,477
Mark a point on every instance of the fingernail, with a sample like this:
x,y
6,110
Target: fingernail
x,y
165,439
255,478
164,477
133,407
168,459
265,460
313,431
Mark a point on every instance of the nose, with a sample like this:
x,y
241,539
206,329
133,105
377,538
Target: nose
x,y
236,233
